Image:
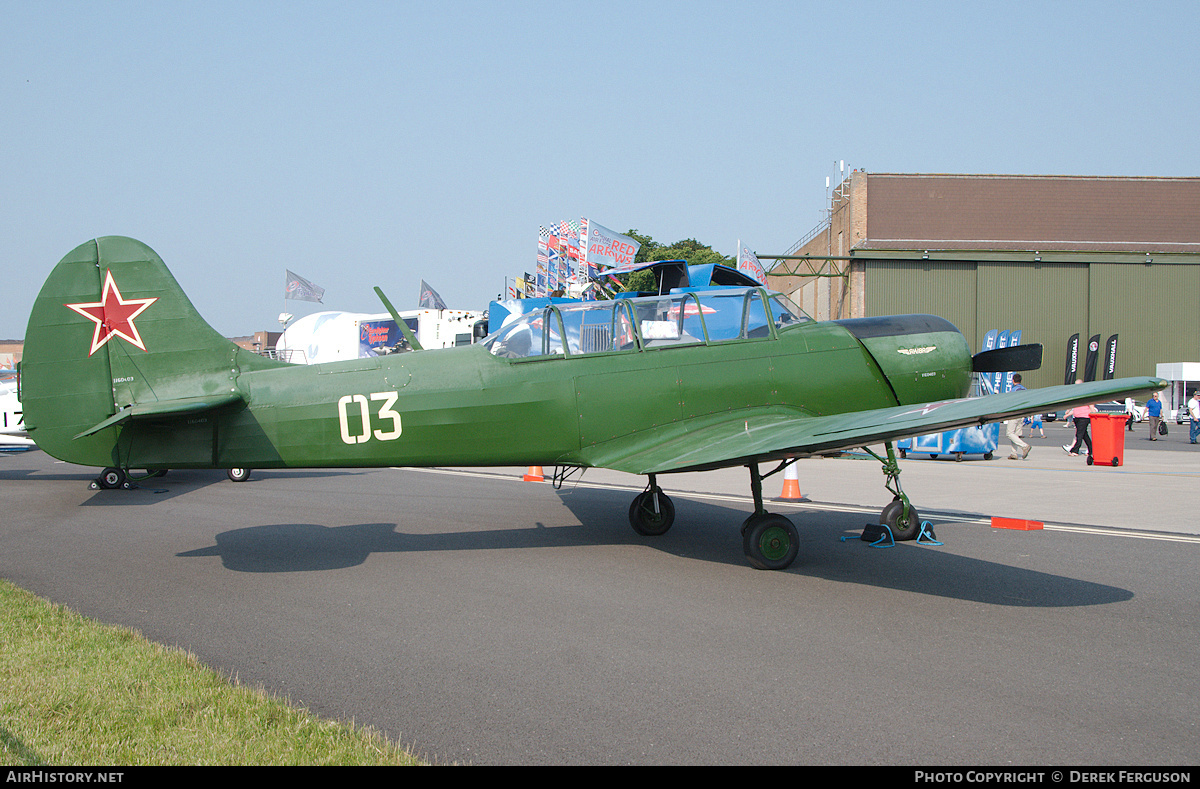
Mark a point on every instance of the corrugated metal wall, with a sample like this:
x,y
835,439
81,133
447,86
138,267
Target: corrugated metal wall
x,y
1153,308
902,287
1047,302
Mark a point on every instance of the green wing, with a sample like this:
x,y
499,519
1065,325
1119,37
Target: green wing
x,y
776,432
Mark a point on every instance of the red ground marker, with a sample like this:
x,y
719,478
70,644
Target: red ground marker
x,y
1014,523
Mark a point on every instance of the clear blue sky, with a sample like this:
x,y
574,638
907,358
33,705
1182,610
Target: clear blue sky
x,y
381,143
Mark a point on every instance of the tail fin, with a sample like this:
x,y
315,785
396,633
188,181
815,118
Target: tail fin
x,y
112,337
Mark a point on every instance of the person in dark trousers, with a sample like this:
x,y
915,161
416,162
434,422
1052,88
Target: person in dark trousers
x,y
1193,407
1082,416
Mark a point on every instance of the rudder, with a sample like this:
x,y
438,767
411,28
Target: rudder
x,y
111,336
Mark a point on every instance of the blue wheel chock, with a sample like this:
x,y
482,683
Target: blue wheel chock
x,y
926,536
880,536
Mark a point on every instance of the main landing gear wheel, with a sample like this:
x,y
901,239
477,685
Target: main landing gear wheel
x,y
239,474
902,528
770,541
112,478
651,513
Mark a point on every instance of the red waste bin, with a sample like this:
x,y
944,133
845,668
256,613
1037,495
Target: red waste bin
x,y
1108,440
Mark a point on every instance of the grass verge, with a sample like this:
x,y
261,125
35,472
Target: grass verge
x,y
77,692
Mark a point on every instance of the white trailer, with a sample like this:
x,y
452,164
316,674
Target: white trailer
x,y
330,336
1184,377
12,427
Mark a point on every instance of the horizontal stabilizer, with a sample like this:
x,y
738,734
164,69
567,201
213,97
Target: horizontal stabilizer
x,y
184,406
1008,360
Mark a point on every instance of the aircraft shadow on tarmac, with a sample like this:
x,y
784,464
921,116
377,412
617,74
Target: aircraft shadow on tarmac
x,y
706,534
702,533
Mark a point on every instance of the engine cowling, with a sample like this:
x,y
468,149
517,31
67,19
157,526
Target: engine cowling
x,y
924,357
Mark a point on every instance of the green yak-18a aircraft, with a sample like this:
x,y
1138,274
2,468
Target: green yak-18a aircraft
x,y
121,372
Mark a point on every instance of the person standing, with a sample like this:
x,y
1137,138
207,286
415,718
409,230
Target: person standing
x,y
1082,417
1012,428
1193,407
1154,414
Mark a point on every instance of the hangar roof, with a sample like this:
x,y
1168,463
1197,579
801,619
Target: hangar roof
x,y
1008,212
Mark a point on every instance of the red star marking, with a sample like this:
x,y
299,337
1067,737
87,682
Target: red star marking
x,y
113,315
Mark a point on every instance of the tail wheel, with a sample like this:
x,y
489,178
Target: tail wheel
x,y
902,528
112,478
239,474
651,513
770,541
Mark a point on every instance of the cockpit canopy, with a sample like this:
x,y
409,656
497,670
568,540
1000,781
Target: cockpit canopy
x,y
682,317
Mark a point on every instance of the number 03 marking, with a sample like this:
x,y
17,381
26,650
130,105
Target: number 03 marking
x,y
385,412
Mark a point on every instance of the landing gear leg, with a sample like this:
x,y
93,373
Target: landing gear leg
x,y
770,541
652,512
900,516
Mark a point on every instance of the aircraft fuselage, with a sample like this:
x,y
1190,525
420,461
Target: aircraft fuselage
x,y
464,406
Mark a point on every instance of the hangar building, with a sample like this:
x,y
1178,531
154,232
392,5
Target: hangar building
x,y
1050,255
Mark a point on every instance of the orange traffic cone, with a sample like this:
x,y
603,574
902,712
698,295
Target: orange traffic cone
x,y
534,474
791,483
